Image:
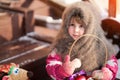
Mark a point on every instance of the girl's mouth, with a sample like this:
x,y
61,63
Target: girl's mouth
x,y
75,36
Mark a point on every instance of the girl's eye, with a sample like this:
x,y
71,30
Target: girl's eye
x,y
16,71
80,26
71,24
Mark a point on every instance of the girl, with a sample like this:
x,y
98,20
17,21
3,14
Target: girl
x,y
88,54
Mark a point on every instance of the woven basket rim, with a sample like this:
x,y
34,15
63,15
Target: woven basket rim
x,y
106,51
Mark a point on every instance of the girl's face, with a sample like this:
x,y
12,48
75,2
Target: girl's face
x,y
76,28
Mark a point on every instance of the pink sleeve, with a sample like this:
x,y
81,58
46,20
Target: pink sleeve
x,y
54,66
112,66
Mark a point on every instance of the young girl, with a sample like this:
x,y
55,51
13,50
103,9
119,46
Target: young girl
x,y
88,54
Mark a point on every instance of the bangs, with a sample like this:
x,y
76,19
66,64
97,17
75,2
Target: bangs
x,y
78,20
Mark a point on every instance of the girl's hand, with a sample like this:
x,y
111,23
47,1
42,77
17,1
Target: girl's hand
x,y
104,74
97,74
70,66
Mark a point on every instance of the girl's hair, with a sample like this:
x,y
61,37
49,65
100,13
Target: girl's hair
x,y
78,20
89,50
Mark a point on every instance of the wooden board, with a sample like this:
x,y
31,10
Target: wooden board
x,y
23,51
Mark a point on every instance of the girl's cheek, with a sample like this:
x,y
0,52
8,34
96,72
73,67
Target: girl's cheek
x,y
82,31
71,30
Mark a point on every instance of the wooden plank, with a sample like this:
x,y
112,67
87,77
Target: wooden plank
x,y
55,3
28,58
16,51
44,34
28,21
5,29
27,3
15,9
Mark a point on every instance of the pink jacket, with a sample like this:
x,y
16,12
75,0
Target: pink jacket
x,y
54,63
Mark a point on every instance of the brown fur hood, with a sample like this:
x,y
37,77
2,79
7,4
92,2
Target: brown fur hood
x,y
86,48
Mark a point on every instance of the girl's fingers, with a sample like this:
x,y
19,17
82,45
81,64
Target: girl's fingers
x,y
67,58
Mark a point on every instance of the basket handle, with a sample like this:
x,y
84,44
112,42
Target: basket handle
x,y
91,36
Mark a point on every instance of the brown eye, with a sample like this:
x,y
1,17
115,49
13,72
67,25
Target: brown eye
x,y
81,26
71,24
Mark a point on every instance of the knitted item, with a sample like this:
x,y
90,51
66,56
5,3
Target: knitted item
x,y
108,72
58,70
70,66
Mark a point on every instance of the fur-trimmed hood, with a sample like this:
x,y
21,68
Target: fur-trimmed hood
x,y
86,48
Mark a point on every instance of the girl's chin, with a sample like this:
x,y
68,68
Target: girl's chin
x,y
75,38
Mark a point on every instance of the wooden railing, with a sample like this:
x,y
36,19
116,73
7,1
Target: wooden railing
x,y
28,20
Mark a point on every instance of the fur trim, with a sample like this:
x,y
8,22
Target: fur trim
x,y
89,50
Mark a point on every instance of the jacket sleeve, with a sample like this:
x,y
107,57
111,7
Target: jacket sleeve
x,y
112,66
54,66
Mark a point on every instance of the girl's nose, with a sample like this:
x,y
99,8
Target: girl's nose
x,y
77,30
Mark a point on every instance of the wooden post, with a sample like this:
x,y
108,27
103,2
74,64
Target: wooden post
x,y
28,21
112,8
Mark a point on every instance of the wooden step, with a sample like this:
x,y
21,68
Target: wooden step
x,y
23,50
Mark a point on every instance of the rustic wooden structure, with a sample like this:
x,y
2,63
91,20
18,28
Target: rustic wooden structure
x,y
26,24
24,46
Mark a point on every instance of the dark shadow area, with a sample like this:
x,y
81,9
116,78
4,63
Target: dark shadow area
x,y
38,69
2,40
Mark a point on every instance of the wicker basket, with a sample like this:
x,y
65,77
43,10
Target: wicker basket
x,y
91,35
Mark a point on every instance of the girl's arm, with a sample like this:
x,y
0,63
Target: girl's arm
x,y
54,66
112,65
58,70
